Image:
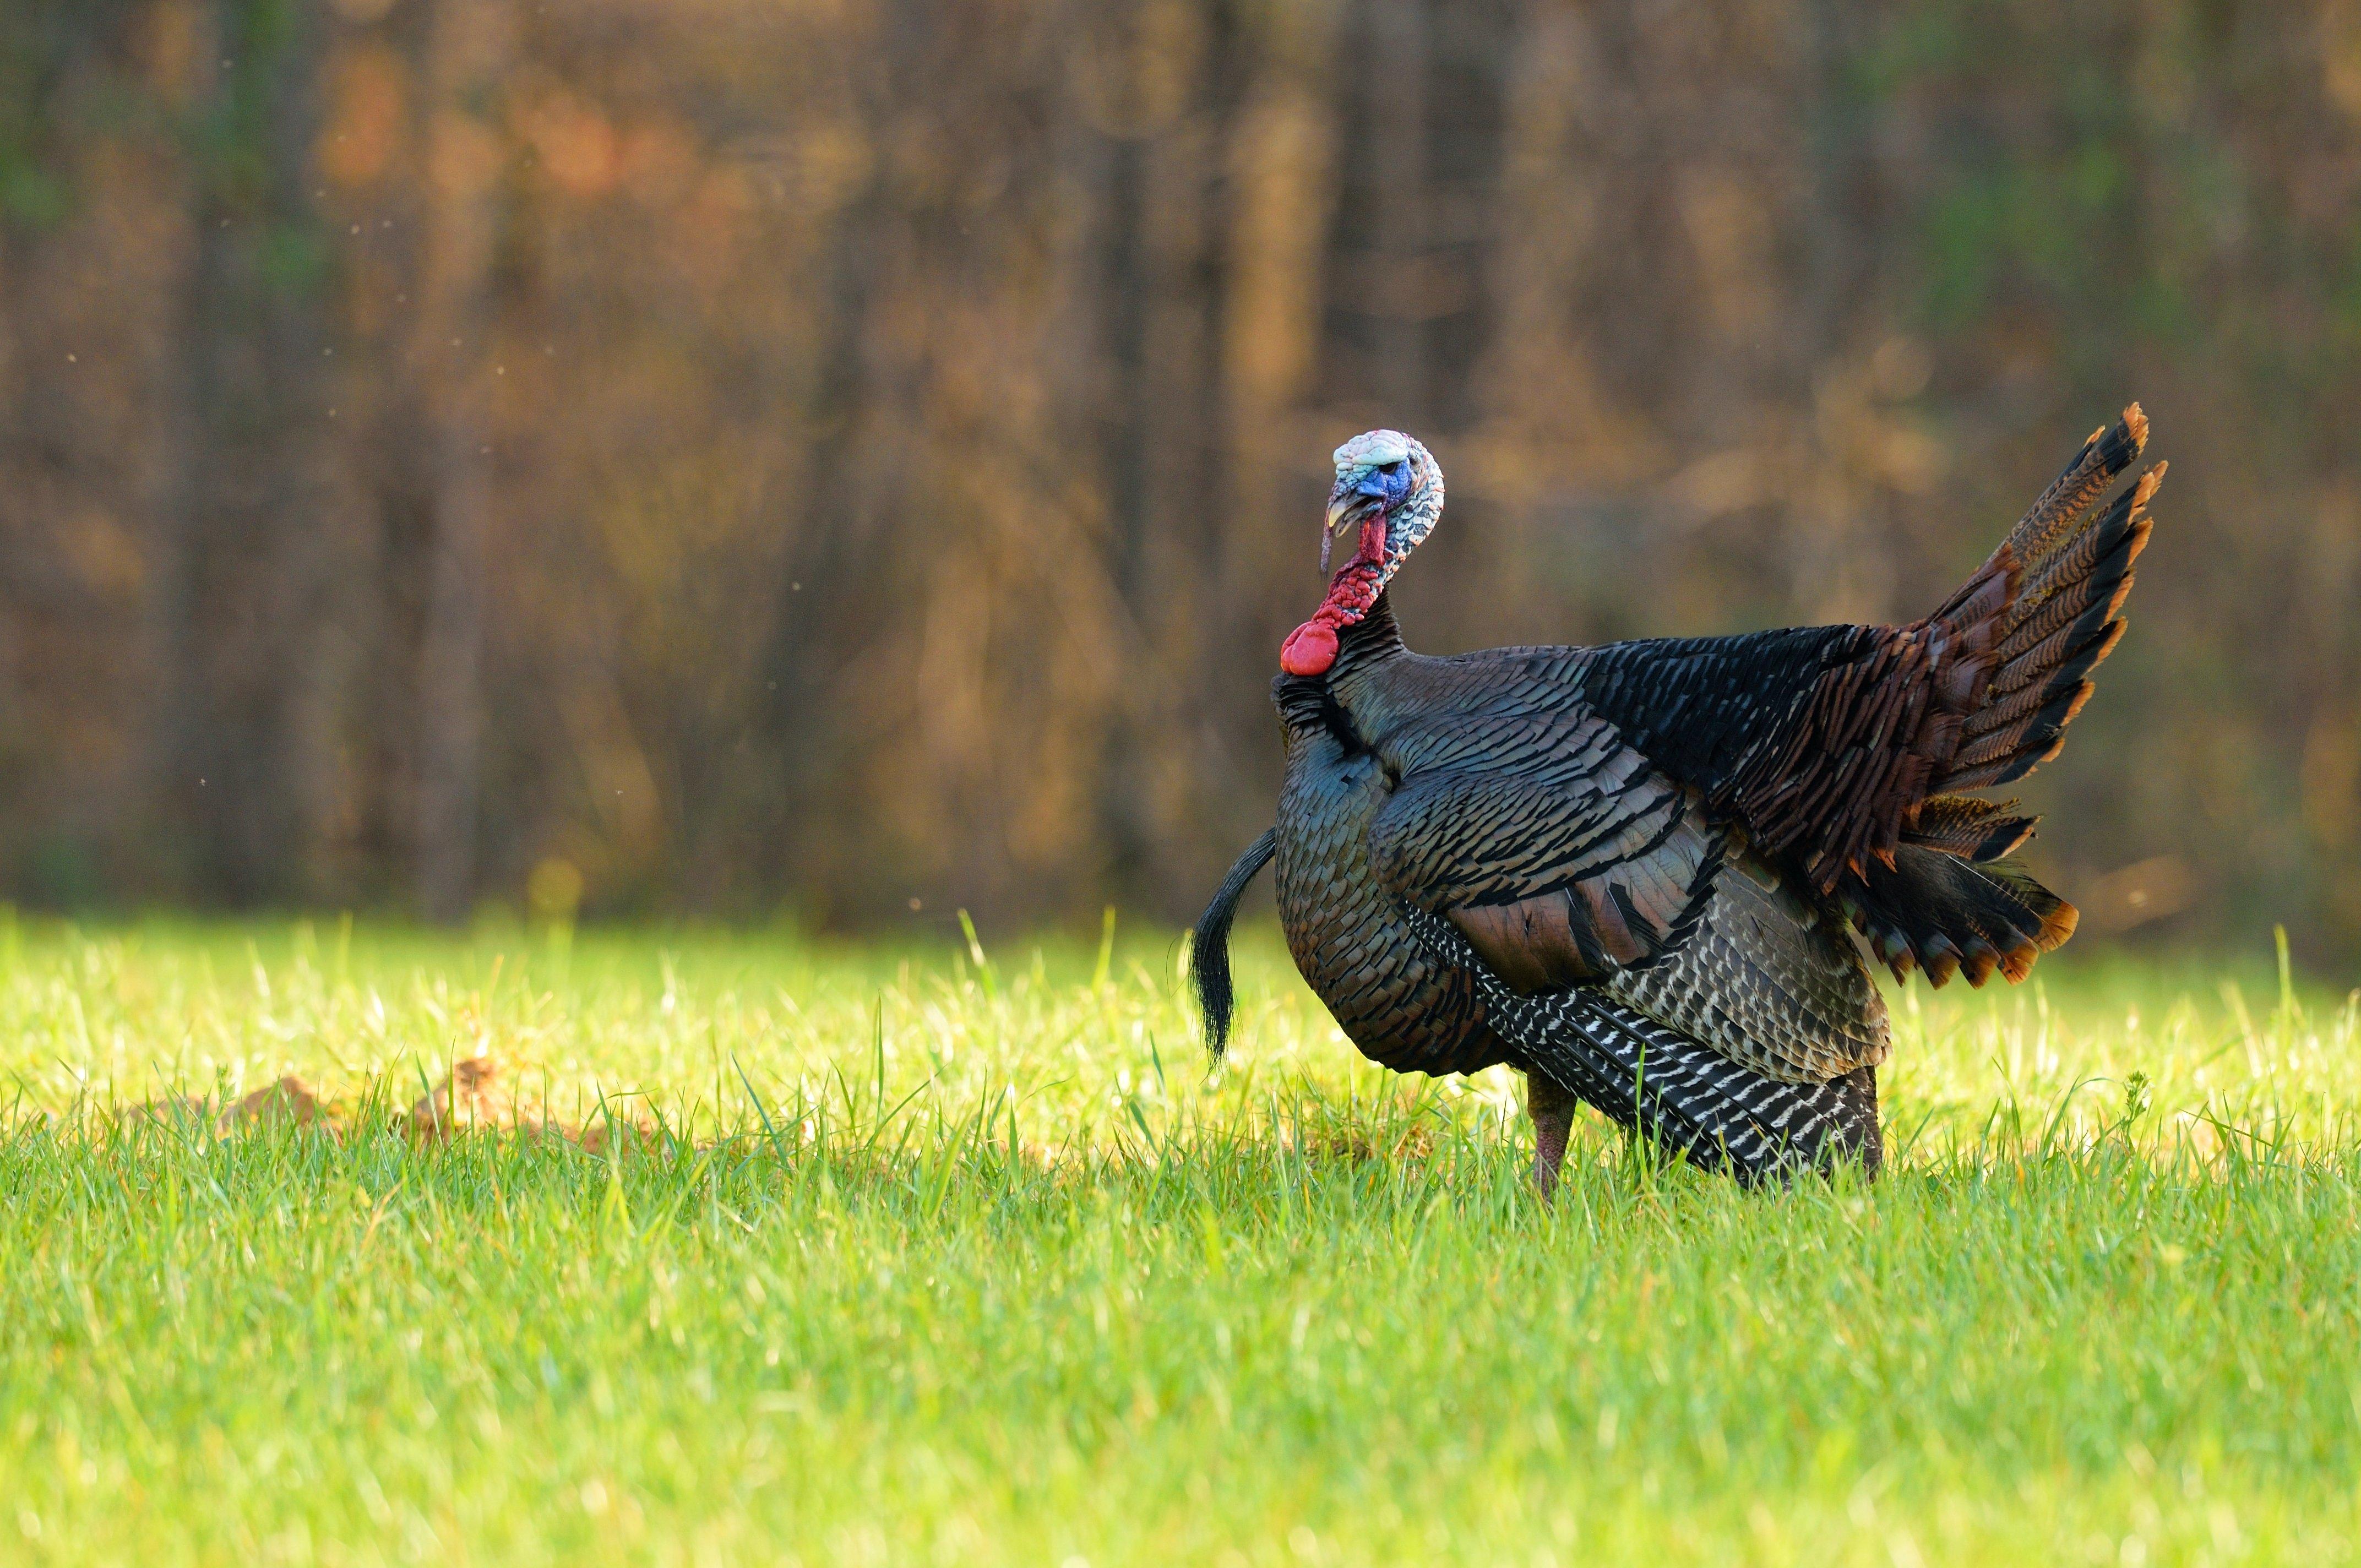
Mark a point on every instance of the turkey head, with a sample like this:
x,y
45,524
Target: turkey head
x,y
1388,494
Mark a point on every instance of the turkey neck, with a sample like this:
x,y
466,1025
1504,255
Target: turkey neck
x,y
1348,700
1367,643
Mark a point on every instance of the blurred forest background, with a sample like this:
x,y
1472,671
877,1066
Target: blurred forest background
x,y
858,458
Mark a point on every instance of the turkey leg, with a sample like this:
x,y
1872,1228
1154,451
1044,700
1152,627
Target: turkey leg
x,y
1551,1109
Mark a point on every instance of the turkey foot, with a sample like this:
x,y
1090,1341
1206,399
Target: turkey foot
x,y
1551,1109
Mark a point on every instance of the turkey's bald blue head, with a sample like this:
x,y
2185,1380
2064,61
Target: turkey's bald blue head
x,y
1389,493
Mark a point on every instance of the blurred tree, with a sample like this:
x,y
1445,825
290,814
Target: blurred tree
x,y
861,458
468,44
247,502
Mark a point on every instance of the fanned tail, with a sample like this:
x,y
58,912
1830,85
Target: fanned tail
x,y
2041,614
2014,648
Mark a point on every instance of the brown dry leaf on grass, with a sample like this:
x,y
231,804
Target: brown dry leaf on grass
x,y
289,1102
616,1129
480,1094
476,1094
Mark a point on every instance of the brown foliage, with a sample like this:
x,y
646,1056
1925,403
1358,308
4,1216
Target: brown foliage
x,y
864,457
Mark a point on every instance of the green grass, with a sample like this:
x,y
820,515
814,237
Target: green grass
x,y
945,1262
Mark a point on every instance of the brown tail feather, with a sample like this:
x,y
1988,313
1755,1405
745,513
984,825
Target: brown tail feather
x,y
2010,655
2067,570
2106,454
1858,779
1971,829
2000,713
2080,555
1949,915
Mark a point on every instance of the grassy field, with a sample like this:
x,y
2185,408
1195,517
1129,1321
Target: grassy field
x,y
962,1257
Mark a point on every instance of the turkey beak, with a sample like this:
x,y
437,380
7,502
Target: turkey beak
x,y
1350,504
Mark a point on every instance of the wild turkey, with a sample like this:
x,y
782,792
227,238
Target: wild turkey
x,y
1634,873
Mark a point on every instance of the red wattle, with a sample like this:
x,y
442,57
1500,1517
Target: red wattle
x,y
1310,648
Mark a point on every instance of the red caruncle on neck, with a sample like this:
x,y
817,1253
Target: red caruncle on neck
x,y
1311,648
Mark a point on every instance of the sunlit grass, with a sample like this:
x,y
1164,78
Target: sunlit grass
x,y
961,1256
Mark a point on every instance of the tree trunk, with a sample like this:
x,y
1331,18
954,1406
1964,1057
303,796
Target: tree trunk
x,y
468,42
248,502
